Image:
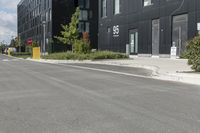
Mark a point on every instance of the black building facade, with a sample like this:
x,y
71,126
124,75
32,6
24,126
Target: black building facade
x,y
31,14
150,27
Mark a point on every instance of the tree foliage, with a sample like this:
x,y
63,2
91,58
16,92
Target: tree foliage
x,y
70,32
193,53
2,47
35,44
15,42
81,47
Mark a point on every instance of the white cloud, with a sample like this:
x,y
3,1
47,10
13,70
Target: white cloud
x,y
8,19
11,5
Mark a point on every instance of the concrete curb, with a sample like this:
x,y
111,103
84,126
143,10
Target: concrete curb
x,y
154,69
59,61
156,74
184,78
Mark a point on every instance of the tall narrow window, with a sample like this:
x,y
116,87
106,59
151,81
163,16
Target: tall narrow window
x,y
180,32
116,6
87,3
83,15
87,27
81,3
81,27
103,8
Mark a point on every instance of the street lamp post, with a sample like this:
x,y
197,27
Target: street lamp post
x,y
44,37
19,42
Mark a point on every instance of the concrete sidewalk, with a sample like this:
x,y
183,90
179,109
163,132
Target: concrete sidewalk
x,y
163,68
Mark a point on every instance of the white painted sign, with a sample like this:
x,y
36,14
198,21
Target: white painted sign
x,y
173,52
116,31
198,26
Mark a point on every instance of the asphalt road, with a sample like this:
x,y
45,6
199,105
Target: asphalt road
x,y
113,68
48,98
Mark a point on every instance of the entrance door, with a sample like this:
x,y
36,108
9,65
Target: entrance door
x,y
155,36
133,41
180,32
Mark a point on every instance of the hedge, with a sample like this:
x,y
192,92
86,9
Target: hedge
x,y
89,56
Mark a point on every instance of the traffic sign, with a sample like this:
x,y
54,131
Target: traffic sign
x,y
30,41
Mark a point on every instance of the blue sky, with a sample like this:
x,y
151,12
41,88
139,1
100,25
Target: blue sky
x,y
8,19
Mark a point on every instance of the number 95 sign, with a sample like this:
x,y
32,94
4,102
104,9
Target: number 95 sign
x,y
116,31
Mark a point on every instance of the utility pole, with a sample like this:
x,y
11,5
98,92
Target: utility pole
x,y
19,41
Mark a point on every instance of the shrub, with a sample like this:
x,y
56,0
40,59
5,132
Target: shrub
x,y
107,55
192,53
70,32
86,37
20,54
66,56
81,46
35,44
28,49
88,56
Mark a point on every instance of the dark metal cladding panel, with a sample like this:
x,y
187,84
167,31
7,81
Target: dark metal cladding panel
x,y
61,12
134,16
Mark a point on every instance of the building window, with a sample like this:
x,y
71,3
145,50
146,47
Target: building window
x,y
116,6
147,2
84,3
87,27
81,3
47,16
84,27
87,3
81,27
103,8
83,15
50,15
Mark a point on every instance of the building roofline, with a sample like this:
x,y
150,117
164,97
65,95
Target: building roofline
x,y
20,2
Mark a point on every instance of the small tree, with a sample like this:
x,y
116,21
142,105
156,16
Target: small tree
x,y
86,37
2,47
14,42
35,44
193,53
70,32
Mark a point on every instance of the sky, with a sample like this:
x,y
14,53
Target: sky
x,y
8,19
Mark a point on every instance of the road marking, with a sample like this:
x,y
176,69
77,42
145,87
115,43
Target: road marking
x,y
107,71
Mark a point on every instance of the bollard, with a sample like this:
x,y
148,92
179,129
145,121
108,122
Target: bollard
x,y
173,52
8,52
36,53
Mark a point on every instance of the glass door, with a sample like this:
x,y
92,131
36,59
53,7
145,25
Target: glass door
x,y
180,32
133,41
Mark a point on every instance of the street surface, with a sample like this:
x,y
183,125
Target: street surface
x,y
50,98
